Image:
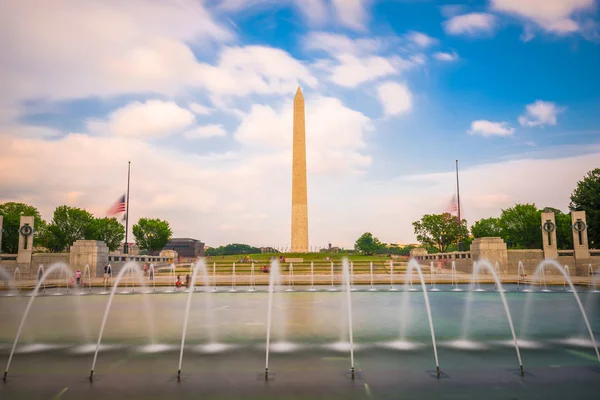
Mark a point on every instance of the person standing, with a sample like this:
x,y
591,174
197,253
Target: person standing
x,y
78,276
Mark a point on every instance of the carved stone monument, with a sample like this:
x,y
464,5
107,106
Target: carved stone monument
x,y
549,236
25,250
492,249
299,196
91,252
580,237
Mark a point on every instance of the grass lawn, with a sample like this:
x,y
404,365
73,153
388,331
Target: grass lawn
x,y
261,257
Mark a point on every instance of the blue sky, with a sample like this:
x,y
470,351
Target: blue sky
x,y
198,96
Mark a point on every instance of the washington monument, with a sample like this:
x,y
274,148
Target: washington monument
x,y
299,197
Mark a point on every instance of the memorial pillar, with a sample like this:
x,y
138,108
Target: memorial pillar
x,y
580,236
25,240
549,236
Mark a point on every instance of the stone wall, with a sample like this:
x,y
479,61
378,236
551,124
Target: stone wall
x,y
529,257
45,259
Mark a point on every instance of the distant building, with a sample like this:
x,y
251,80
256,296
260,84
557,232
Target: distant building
x,y
186,247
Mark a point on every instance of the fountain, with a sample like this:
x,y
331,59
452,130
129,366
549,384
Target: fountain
x,y
486,264
131,265
214,277
273,280
18,284
312,276
454,279
152,277
372,289
7,279
346,280
60,266
332,289
392,288
594,276
232,278
554,264
413,264
567,273
89,275
200,267
252,279
290,278
352,276
521,275
432,271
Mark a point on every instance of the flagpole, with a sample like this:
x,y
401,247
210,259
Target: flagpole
x,y
458,201
126,247
457,192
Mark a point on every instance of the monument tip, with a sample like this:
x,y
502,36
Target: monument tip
x,y
299,91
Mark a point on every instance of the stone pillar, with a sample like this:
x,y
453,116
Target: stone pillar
x,y
549,236
25,240
580,236
1,221
490,248
91,252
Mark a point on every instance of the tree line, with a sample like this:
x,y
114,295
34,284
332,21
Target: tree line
x,y
520,225
70,224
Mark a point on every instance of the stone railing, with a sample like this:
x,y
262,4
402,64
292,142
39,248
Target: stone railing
x,y
458,255
138,258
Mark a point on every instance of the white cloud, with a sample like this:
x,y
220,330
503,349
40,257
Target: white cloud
x,y
315,11
206,131
151,119
333,144
420,39
93,57
148,49
395,98
470,24
352,70
353,62
200,109
352,14
540,113
335,43
554,16
442,56
488,128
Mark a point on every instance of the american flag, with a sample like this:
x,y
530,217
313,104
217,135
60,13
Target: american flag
x,y
453,206
118,207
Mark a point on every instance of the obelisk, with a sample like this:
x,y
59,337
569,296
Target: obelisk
x,y
299,197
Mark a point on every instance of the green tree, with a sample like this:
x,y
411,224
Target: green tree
x,y
152,234
12,213
586,197
68,225
487,227
440,230
367,244
233,249
109,230
521,226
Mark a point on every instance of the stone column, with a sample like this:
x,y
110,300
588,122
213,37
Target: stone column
x,y
25,251
91,252
490,248
549,236
580,236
